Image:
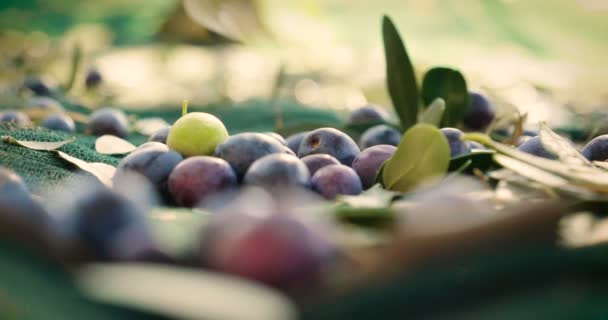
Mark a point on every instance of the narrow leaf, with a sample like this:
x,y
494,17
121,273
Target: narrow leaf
x,y
74,66
109,144
601,164
518,131
238,20
400,75
101,171
149,126
482,160
368,217
422,154
450,85
531,172
434,113
591,178
178,230
379,176
561,147
375,197
176,292
38,145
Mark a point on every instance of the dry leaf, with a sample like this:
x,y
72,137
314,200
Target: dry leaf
x,y
109,144
149,126
113,284
601,164
101,171
37,145
78,117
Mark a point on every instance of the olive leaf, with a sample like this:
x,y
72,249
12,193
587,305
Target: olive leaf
x,y
465,165
479,159
422,154
37,145
237,20
433,113
103,172
177,229
75,62
379,180
589,177
400,75
601,164
149,126
176,292
561,147
375,197
368,217
450,85
109,144
531,172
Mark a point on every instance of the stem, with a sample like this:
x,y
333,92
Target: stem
x,y
184,107
74,65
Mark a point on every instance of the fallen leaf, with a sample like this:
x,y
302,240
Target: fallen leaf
x,y
182,289
375,197
149,126
38,145
78,117
601,164
101,171
561,147
531,172
109,144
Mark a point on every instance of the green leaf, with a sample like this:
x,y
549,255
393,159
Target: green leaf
x,y
561,147
368,217
423,154
482,160
375,197
178,230
434,113
400,75
379,176
450,85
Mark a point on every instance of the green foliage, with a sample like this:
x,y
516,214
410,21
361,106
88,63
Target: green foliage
x,y
177,230
450,85
400,75
365,217
369,209
481,160
422,155
433,113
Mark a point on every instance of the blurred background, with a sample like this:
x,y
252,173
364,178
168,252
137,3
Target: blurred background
x,y
544,57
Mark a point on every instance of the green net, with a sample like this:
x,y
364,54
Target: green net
x,y
43,170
